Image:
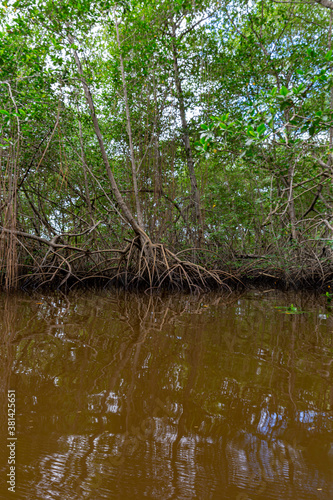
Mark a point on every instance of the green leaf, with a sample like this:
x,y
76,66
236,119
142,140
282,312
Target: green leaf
x,y
311,53
328,56
284,91
261,129
312,129
299,89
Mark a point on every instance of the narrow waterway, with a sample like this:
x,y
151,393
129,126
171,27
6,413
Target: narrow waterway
x,y
172,397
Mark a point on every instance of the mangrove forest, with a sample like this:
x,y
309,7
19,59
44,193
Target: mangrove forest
x,y
178,144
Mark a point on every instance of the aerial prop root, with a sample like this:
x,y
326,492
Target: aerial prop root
x,y
153,264
141,263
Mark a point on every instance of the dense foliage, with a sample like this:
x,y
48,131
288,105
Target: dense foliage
x,y
192,124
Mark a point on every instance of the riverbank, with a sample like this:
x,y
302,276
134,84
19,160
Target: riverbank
x,y
200,275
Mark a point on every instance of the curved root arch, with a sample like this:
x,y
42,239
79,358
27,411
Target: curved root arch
x,y
140,264
154,266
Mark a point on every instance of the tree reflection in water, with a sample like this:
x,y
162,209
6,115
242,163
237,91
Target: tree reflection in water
x,y
120,396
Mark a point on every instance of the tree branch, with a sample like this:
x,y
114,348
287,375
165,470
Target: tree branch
x,y
44,241
325,3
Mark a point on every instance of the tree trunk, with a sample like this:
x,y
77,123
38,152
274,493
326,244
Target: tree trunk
x,y
330,138
291,173
190,164
84,168
157,156
291,204
129,128
137,227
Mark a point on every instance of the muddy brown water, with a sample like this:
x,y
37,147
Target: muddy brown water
x,y
173,397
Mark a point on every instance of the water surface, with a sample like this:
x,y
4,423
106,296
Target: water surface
x,y
126,397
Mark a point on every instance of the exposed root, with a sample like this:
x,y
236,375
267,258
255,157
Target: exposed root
x,y
155,266
146,266
140,265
